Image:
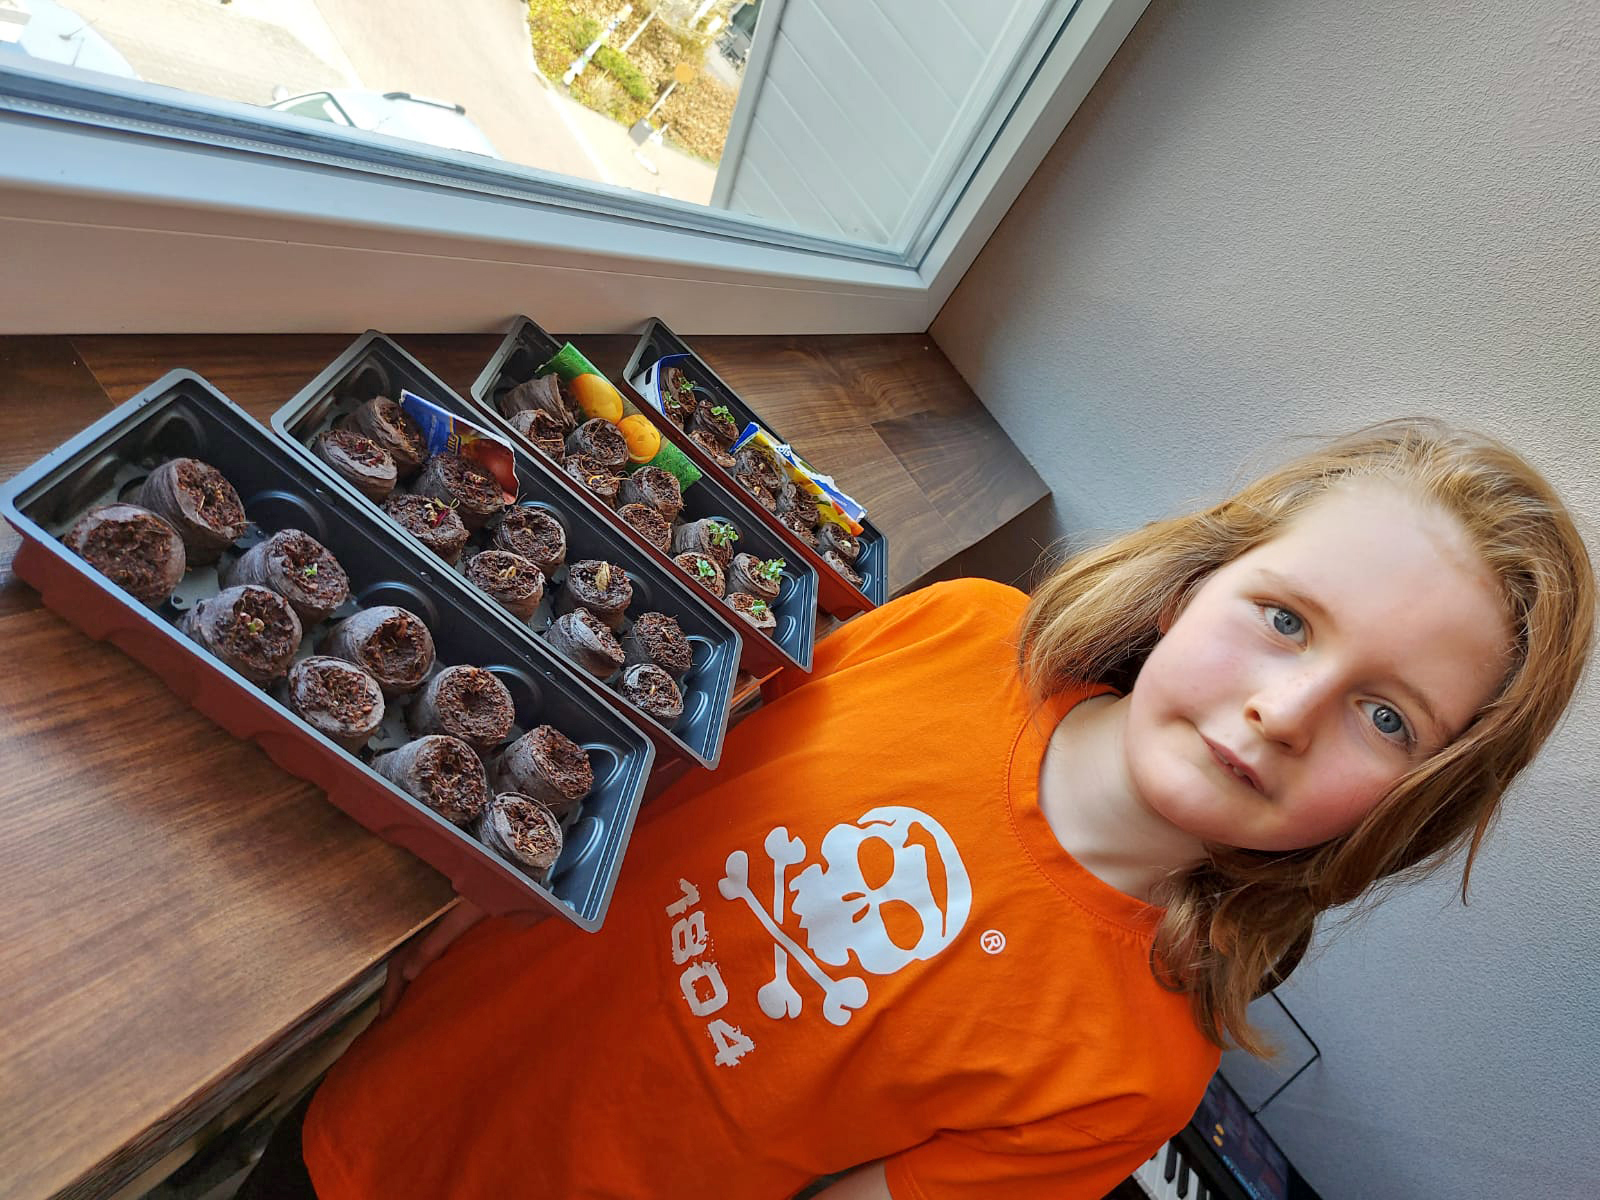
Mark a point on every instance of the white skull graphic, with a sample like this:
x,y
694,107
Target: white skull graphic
x,y
842,912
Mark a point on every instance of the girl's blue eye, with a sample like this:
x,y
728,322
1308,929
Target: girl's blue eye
x,y
1388,722
1285,622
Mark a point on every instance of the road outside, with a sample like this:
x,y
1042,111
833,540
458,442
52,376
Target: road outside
x,y
470,52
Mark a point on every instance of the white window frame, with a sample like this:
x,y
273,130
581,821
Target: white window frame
x,y
132,207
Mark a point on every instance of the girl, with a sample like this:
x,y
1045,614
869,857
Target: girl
x,y
978,902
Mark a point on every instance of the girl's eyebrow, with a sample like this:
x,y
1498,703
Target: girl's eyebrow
x,y
1302,600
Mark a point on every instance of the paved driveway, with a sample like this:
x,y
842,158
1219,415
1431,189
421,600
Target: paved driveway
x,y
470,52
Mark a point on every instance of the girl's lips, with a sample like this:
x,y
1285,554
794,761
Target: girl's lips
x,y
1233,764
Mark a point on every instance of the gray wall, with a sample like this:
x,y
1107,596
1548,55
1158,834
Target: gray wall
x,y
1278,218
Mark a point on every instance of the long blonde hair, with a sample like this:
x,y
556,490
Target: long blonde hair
x,y
1235,925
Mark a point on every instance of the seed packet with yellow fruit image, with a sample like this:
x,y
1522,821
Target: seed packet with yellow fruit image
x,y
596,396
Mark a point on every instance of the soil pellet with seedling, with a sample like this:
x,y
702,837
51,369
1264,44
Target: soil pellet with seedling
x,y
299,568
442,772
386,423
358,460
199,502
432,522
252,629
511,580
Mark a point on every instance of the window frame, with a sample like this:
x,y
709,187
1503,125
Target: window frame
x,y
125,162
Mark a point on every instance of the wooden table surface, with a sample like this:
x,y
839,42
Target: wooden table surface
x,y
175,903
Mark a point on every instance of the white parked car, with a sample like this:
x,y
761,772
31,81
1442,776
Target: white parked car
x,y
400,114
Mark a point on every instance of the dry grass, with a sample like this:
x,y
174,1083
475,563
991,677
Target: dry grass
x,y
697,112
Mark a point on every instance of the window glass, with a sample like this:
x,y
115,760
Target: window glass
x,y
841,118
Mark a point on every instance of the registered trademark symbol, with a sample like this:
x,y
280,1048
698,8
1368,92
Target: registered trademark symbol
x,y
992,941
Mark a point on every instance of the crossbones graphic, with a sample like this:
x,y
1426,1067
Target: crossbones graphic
x,y
841,912
778,998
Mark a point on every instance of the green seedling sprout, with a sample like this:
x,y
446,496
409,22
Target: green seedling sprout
x,y
704,568
310,572
771,570
759,608
723,534
721,410
254,624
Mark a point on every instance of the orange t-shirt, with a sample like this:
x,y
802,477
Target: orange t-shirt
x,y
856,940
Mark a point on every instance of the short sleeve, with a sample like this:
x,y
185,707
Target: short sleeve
x,y
1045,1160
915,616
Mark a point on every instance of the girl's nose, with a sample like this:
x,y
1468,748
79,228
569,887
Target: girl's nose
x,y
1284,710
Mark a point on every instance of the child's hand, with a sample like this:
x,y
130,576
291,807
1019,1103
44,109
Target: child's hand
x,y
408,961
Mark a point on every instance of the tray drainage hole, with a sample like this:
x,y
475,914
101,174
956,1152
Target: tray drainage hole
x,y
698,702
607,765
702,650
582,843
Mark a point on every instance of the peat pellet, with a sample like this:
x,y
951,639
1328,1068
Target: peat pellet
x,y
601,587
594,477
587,641
336,698
199,502
541,395
600,440
679,397
522,829
464,485
250,628
651,690
753,610
511,580
653,486
704,570
761,578
532,533
441,772
831,557
648,524
759,491
358,460
548,766
758,463
469,703
792,498
658,638
796,524
833,537
432,522
716,421
386,423
707,536
714,449
388,643
543,430
299,568
136,549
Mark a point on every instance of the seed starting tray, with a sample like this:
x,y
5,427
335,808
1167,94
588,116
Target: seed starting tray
x,y
838,595
181,415
375,365
527,347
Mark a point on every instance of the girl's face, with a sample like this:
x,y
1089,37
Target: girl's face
x,y
1307,676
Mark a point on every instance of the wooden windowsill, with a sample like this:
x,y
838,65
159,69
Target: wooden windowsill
x,y
176,905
